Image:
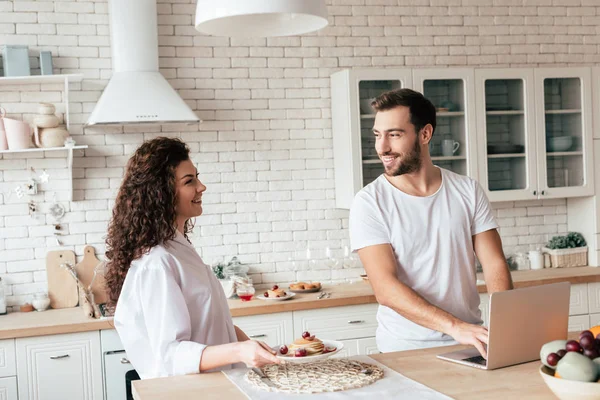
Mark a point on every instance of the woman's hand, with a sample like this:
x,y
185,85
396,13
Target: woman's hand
x,y
254,353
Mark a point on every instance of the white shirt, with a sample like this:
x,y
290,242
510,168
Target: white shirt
x,y
170,308
432,240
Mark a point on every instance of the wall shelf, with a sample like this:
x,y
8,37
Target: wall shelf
x,y
63,79
69,150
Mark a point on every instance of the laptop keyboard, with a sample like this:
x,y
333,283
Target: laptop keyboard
x,y
476,360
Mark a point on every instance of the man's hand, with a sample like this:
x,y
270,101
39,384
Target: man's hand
x,y
475,335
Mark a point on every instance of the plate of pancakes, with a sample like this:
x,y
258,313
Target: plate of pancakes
x,y
307,349
276,294
304,287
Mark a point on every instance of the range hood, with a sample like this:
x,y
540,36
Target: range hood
x,y
137,92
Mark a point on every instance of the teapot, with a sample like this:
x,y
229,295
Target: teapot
x,y
50,137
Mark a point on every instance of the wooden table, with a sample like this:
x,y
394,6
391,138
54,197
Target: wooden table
x,y
457,381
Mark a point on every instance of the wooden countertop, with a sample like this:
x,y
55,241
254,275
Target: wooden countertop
x,y
457,381
50,322
71,320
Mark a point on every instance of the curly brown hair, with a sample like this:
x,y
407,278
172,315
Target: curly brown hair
x,y
144,213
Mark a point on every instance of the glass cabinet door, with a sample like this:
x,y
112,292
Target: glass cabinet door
x,y
452,93
368,89
563,110
506,125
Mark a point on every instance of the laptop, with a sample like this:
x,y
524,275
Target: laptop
x,y
521,321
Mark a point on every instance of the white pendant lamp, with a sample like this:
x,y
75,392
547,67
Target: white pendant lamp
x,y
260,18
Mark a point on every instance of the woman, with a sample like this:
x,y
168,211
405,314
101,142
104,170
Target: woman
x,y
171,314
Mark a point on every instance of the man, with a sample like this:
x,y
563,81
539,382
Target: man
x,y
417,229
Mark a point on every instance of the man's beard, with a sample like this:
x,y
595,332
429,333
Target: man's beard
x,y
409,162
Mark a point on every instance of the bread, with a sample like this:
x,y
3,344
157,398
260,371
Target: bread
x,y
277,293
305,286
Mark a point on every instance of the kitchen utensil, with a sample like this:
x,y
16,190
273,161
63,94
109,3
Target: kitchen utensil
x,y
365,106
263,377
566,389
329,344
505,148
15,60
62,288
46,62
3,142
18,133
50,137
40,302
313,290
46,109
449,147
85,272
559,143
286,297
536,259
46,121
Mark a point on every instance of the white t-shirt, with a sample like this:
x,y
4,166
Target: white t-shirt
x,y
432,240
171,307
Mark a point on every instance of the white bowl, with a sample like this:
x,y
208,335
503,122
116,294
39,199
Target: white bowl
x,y
317,357
560,143
365,106
570,390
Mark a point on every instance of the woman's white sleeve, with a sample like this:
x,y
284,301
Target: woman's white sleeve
x,y
168,321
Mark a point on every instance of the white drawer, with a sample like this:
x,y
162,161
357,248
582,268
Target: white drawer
x,y
273,329
338,323
8,365
578,323
8,388
578,304
594,297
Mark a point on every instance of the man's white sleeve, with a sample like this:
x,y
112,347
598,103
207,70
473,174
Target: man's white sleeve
x,y
483,218
366,225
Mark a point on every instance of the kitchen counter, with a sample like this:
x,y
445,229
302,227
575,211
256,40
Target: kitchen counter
x,y
70,320
457,381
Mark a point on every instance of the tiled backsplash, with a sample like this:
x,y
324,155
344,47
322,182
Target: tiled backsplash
x,y
264,149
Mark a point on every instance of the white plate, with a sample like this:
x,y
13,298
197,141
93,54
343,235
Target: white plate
x,y
328,343
289,296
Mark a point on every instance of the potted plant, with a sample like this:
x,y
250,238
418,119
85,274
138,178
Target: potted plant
x,y
567,251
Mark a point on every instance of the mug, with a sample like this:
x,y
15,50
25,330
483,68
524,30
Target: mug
x,y
536,259
3,142
449,147
18,133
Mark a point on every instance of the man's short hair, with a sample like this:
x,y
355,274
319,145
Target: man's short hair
x,y
422,111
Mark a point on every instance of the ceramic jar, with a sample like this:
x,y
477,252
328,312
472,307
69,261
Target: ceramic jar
x,y
41,301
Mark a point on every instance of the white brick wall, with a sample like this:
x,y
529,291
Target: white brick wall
x,y
264,149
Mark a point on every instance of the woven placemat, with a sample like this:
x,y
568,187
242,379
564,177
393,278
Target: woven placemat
x,y
331,375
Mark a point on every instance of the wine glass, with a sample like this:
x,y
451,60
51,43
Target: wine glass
x,y
330,260
349,260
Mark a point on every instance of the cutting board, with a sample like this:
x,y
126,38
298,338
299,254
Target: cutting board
x,y
62,287
85,272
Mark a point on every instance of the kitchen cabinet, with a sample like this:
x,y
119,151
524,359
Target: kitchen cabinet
x,y
523,133
273,329
338,323
11,83
452,92
8,388
355,161
535,128
8,370
60,367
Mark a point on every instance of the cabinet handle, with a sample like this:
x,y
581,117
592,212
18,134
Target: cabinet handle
x,y
125,361
535,192
257,336
543,192
59,357
358,321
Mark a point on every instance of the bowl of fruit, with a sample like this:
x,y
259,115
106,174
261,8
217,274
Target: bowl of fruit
x,y
308,348
571,368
